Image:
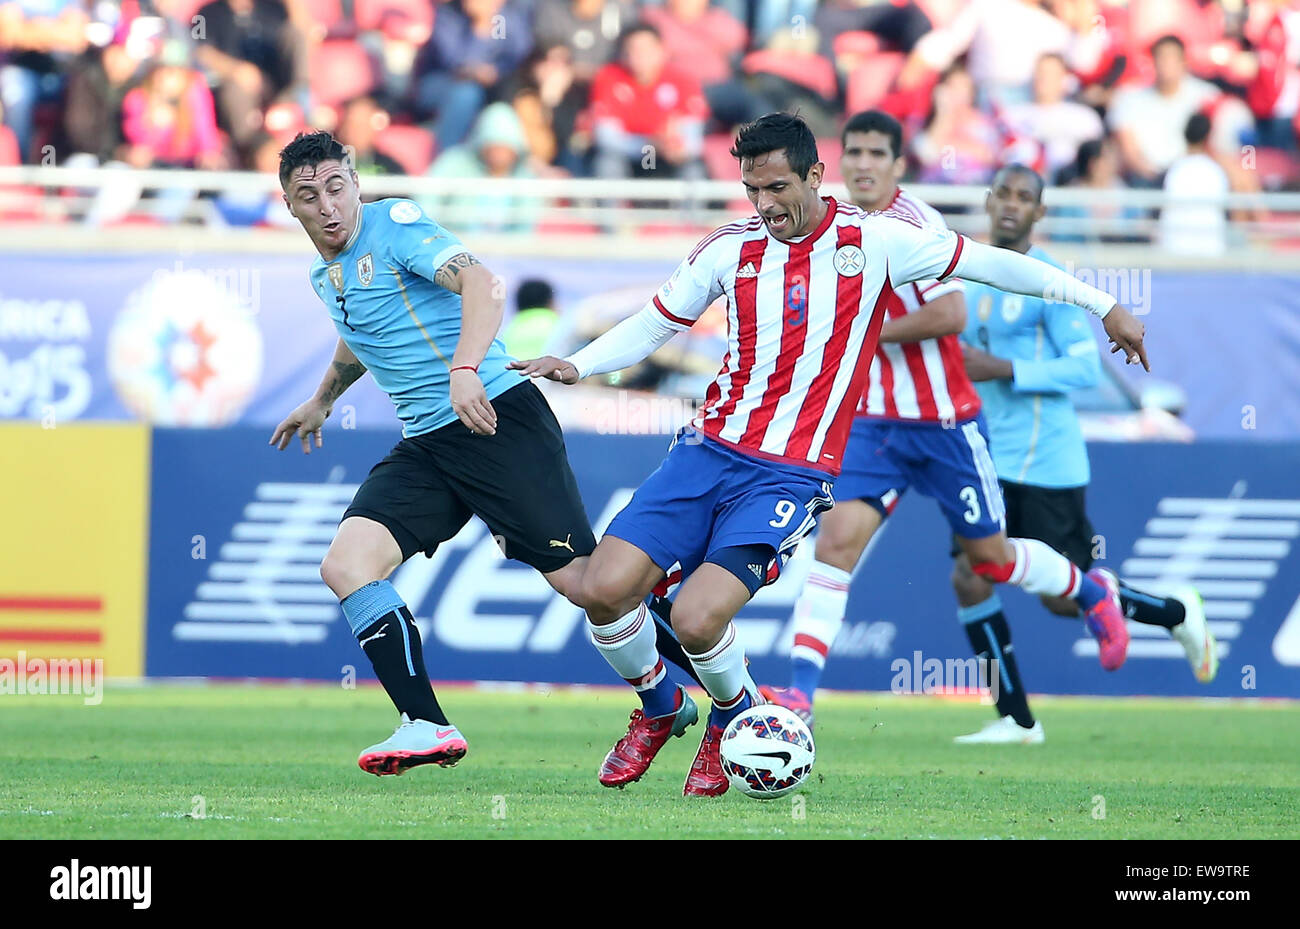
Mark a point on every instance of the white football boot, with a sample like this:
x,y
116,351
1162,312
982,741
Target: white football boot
x,y
414,742
1193,633
1004,731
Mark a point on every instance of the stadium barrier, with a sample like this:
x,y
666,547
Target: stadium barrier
x,y
237,531
49,194
220,338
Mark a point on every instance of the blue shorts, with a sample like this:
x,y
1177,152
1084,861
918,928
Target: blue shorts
x,y
706,497
950,464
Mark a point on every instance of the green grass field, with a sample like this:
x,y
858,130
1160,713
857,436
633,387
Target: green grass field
x,y
280,762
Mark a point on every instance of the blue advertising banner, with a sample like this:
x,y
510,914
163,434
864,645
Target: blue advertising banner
x,y
217,339
238,530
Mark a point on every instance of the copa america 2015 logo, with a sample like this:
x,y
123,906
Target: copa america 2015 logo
x,y
185,350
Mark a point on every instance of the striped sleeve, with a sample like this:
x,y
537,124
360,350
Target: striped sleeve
x,y
693,286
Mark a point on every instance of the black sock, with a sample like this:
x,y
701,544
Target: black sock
x,y
1149,609
666,640
398,660
990,637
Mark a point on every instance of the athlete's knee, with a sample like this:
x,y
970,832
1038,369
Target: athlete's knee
x,y
969,586
991,558
344,573
567,582
698,627
605,596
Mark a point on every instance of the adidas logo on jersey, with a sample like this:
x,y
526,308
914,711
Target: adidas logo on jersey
x,y
748,270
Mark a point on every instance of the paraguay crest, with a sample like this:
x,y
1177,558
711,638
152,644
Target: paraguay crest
x,y
335,272
365,269
849,260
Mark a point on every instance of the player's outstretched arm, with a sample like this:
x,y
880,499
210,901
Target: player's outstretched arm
x,y
307,420
1011,271
481,310
624,345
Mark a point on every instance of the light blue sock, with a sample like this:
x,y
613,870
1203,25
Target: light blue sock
x,y
366,604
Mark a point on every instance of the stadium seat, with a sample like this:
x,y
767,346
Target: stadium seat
x,y
805,69
1277,169
829,150
717,156
850,48
328,19
872,80
340,70
407,20
410,146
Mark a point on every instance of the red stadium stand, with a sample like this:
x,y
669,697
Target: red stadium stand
x,y
340,70
872,79
410,146
805,69
829,150
407,20
328,19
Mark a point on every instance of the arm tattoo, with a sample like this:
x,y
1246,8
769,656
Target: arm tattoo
x,y
448,275
345,375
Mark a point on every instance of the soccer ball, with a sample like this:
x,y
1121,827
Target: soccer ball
x,y
767,751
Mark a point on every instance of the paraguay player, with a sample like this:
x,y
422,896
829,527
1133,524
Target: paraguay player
x,y
1025,356
417,310
918,425
806,282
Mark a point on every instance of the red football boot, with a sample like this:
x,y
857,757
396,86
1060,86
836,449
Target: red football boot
x,y
706,778
793,699
628,760
1106,622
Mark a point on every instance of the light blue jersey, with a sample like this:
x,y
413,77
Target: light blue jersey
x,y
400,324
1034,432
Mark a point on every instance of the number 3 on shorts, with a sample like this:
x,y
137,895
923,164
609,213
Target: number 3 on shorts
x,y
971,498
784,510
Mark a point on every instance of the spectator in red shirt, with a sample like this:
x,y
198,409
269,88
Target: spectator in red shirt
x,y
704,42
647,117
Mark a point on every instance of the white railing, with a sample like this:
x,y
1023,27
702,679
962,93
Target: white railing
x,y
59,194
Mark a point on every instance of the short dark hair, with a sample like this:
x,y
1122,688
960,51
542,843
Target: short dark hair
x,y
1197,129
1089,152
534,293
309,148
876,121
1168,39
1024,171
638,26
778,131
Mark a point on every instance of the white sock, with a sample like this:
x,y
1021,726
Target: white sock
x,y
1041,569
722,670
819,613
628,644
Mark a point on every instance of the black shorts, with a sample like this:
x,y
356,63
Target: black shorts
x,y
1056,516
518,481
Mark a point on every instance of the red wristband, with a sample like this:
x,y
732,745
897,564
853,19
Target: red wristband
x,y
473,368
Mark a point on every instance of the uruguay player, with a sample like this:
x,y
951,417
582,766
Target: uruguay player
x,y
918,425
1024,360
417,310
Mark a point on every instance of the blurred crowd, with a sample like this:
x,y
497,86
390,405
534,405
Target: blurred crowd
x,y
1092,93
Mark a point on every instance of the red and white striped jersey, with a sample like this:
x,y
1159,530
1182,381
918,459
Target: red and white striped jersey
x,y
802,323
919,380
